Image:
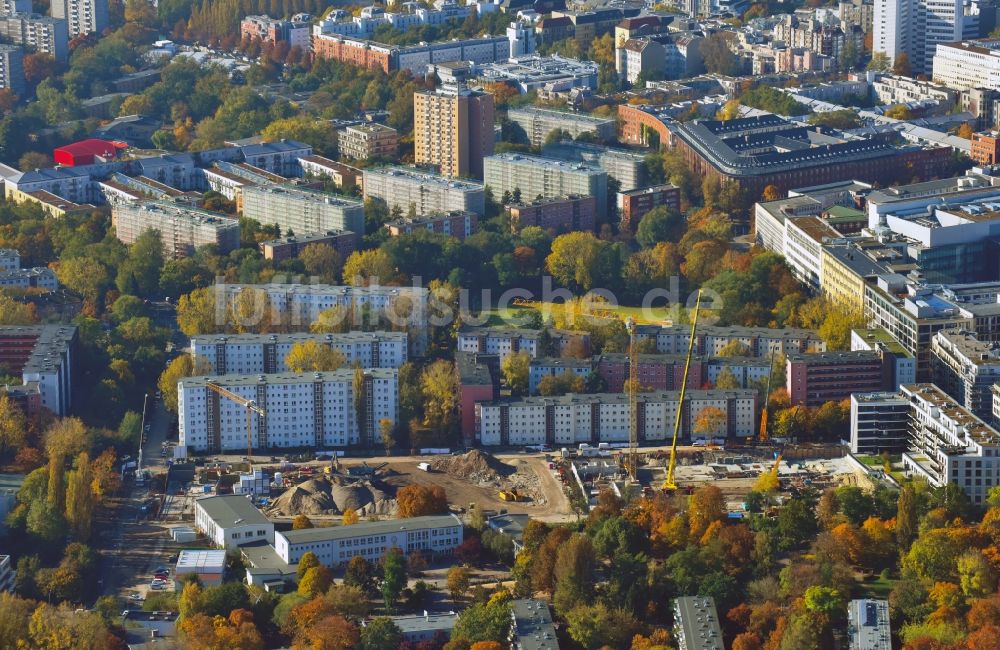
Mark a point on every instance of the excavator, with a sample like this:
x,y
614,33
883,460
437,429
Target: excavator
x,y
669,483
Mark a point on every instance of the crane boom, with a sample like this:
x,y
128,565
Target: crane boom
x,y
251,407
762,436
669,483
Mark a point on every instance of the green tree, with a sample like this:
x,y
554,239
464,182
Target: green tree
x,y
380,634
488,621
393,576
596,626
139,273
660,224
574,573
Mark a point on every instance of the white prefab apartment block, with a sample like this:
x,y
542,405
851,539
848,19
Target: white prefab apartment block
x,y
500,341
231,520
710,340
302,210
336,545
254,354
604,417
182,228
427,193
302,410
298,305
550,178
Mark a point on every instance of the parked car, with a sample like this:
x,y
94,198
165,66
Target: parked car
x,y
158,586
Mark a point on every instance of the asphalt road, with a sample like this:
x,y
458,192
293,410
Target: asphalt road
x,y
130,544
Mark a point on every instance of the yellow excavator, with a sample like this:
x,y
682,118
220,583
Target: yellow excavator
x,y
669,484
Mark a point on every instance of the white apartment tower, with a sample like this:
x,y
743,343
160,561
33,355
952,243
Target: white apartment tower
x,y
82,16
916,27
317,410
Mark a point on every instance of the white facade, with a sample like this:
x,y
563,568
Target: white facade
x,y
427,193
231,520
182,228
502,342
314,410
301,210
710,340
917,27
573,419
968,64
950,444
371,540
35,278
82,16
298,305
253,354
966,369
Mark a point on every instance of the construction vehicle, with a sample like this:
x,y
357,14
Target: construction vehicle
x,y
762,435
251,408
669,483
511,495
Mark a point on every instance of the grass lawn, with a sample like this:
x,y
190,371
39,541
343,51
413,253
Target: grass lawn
x,y
654,316
877,587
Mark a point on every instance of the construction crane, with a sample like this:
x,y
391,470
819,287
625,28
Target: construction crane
x,y
669,484
251,408
632,458
762,435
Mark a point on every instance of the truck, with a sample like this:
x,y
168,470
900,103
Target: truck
x,y
425,467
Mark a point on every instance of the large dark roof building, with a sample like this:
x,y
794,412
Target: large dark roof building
x,y
769,150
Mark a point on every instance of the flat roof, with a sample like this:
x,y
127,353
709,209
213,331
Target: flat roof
x,y
973,426
430,622
201,561
229,510
882,338
698,622
471,370
827,358
412,175
622,398
296,337
868,624
526,160
365,528
344,374
533,626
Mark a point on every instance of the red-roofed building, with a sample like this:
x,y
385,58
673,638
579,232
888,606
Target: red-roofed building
x,y
87,152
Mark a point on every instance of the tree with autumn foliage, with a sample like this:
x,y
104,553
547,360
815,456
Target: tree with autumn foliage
x,y
421,500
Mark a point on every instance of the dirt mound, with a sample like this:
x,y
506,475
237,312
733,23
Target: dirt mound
x,y
475,466
321,496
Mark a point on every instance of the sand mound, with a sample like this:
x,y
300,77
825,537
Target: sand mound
x,y
475,466
321,496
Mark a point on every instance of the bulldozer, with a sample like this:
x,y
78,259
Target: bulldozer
x,y
511,495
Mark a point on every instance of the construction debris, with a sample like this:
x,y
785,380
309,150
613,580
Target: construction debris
x,y
484,470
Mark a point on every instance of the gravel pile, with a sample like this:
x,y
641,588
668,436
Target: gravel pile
x,y
474,466
321,496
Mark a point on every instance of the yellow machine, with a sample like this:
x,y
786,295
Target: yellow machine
x,y
251,407
669,484
511,495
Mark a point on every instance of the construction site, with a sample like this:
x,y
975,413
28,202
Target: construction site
x,y
542,485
